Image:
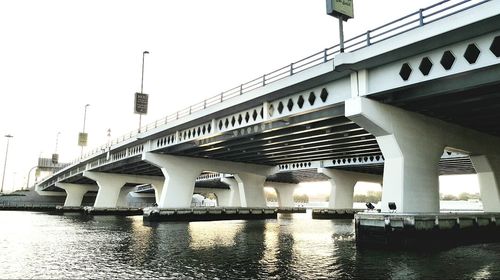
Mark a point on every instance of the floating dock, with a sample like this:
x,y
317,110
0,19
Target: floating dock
x,y
208,214
329,214
425,231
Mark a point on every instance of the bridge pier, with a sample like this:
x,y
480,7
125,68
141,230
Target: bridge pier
x,y
223,195
488,173
75,193
112,191
284,192
412,145
234,195
342,183
181,173
251,189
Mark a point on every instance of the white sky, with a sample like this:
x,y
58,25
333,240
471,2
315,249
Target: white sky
x,y
57,56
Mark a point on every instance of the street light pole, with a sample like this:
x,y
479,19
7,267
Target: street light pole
x,y
84,120
29,174
85,117
142,85
8,136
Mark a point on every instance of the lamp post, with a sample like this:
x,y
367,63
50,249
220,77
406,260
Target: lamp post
x,y
55,156
8,136
29,174
142,84
83,142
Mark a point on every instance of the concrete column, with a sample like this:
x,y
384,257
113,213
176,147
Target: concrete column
x,y
488,173
234,194
343,182
412,146
181,173
342,188
180,177
75,193
112,192
158,187
223,195
284,192
251,188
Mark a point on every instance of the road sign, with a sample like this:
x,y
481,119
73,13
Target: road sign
x,y
55,158
82,139
141,103
342,9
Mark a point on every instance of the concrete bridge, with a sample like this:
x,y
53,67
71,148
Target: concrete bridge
x,y
405,102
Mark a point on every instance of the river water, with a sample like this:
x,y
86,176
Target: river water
x,y
41,246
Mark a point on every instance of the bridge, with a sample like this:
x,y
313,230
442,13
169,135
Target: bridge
x,y
406,102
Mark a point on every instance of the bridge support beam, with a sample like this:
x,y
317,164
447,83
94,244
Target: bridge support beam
x,y
342,183
75,193
488,173
181,173
112,191
234,194
284,192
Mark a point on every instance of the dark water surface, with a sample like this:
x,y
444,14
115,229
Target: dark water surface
x,y
38,245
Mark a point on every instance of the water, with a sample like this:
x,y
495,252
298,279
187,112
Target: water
x,y
37,245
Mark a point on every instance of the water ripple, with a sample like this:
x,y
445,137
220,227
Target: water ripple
x,y
42,246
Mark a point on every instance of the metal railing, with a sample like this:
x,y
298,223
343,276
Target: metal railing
x,y
404,24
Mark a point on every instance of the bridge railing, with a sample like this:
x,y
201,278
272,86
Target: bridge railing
x,y
404,24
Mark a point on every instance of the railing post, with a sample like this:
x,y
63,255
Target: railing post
x,y
222,97
421,15
368,38
190,110
177,115
264,80
325,55
204,104
291,69
241,89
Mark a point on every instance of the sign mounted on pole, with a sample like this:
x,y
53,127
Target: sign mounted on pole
x,y
55,158
82,139
141,103
342,9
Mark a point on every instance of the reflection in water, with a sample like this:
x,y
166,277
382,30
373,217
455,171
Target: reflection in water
x,y
213,234
293,247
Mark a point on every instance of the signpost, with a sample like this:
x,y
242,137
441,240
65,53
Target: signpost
x,y
55,158
141,103
141,99
343,10
82,139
